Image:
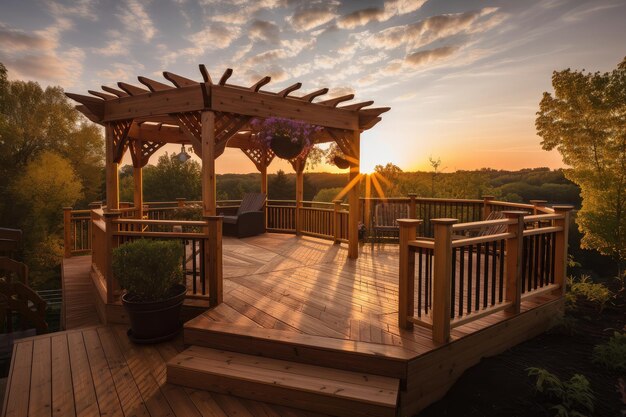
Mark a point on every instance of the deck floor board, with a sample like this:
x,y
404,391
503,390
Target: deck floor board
x,y
305,287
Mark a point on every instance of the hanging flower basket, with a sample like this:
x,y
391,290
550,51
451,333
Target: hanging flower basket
x,y
285,148
341,163
287,138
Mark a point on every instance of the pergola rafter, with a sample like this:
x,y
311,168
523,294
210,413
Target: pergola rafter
x,y
212,116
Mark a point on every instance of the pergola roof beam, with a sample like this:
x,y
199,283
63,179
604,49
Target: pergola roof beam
x,y
226,76
117,92
153,85
94,105
291,88
333,102
103,96
357,106
309,97
178,80
263,81
205,74
132,90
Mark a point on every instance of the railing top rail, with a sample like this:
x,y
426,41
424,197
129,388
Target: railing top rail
x,y
168,235
422,243
160,222
543,230
482,224
481,239
543,217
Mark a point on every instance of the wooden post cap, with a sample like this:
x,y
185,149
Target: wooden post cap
x,y
444,220
67,208
412,195
488,197
112,214
337,201
409,222
564,207
538,202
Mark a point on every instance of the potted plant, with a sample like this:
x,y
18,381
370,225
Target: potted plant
x,y
151,273
287,138
335,156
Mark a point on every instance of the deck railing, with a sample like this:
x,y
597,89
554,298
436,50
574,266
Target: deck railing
x,y
198,240
460,275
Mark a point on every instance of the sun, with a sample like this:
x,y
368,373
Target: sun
x,y
367,164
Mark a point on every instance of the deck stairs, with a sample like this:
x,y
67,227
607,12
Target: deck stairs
x,y
316,373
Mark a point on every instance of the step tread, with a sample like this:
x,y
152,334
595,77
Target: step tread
x,y
395,353
326,382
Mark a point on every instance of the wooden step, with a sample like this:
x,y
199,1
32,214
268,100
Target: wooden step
x,y
314,388
372,358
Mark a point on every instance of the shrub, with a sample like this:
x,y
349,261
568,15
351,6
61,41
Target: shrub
x,y
612,354
573,398
148,269
586,288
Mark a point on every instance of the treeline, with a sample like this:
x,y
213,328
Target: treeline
x,y
170,179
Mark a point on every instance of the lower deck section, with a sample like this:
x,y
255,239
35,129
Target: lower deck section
x,y
286,298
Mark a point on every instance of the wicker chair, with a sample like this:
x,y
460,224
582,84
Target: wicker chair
x,y
386,217
250,217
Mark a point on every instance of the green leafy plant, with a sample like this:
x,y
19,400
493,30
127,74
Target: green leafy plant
x,y
573,398
612,354
564,325
584,287
148,269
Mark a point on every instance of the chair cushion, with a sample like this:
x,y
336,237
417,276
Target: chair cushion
x,y
229,219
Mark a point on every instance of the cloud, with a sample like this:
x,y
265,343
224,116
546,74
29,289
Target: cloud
x,y
15,40
135,19
421,58
264,30
80,8
308,19
390,9
117,45
64,69
433,28
119,72
360,18
213,37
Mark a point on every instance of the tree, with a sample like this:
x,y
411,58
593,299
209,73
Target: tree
x,y
280,187
585,121
435,163
171,179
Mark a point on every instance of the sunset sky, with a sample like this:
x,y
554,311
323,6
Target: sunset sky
x,y
463,78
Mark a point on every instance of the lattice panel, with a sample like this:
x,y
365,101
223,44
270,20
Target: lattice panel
x,y
192,123
259,156
120,131
227,125
344,141
141,151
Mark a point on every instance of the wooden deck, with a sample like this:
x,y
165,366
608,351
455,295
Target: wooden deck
x,y
286,298
78,294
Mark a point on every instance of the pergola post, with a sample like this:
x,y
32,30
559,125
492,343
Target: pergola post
x,y
353,197
138,191
112,174
299,167
263,171
209,204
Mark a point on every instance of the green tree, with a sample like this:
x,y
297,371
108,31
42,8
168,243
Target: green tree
x,y
585,120
46,185
171,179
280,187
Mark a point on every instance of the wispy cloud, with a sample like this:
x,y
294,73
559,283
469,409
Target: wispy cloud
x,y
264,30
390,9
85,9
135,19
117,45
15,40
310,18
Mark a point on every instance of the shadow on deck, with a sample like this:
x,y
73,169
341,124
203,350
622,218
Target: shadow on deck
x,y
321,331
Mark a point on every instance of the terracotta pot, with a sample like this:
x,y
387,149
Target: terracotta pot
x,y
155,321
284,148
341,163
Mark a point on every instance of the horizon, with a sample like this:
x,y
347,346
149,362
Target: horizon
x,y
463,78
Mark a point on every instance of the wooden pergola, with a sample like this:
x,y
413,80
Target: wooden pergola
x,y
211,116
